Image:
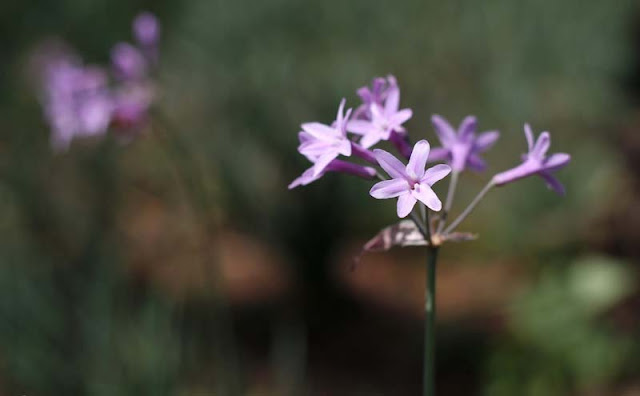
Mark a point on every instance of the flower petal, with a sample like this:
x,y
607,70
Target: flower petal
x,y
553,183
392,102
467,128
390,164
435,174
485,140
359,127
323,161
542,145
370,139
418,160
529,135
476,163
340,115
439,154
427,196
401,117
446,133
304,179
406,202
318,130
389,188
556,161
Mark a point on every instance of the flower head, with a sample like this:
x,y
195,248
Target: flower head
x,y
322,143
461,148
410,183
376,94
75,98
128,62
146,29
536,162
383,120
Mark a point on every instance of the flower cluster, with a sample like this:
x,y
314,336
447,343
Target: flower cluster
x,y
85,100
379,118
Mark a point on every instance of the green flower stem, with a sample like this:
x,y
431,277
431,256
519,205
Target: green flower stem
x,y
430,324
469,208
453,183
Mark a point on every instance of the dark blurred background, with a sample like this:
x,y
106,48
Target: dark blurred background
x,y
110,284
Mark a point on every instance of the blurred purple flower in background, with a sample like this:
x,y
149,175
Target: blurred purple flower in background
x,y
410,183
461,148
535,162
132,65
146,30
75,97
81,101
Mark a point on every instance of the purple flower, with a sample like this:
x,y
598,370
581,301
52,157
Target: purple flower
x,y
322,143
75,98
384,120
336,165
146,29
410,183
535,162
377,94
128,62
462,148
134,94
131,103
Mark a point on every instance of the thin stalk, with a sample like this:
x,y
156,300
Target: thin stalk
x,y
469,208
429,385
453,183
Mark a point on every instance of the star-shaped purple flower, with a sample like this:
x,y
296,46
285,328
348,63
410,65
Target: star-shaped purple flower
x,y
462,148
384,120
410,183
322,143
536,162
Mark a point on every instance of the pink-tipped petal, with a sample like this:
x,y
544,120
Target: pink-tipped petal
x,y
485,140
406,202
467,128
445,132
389,188
418,160
435,174
390,164
427,196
